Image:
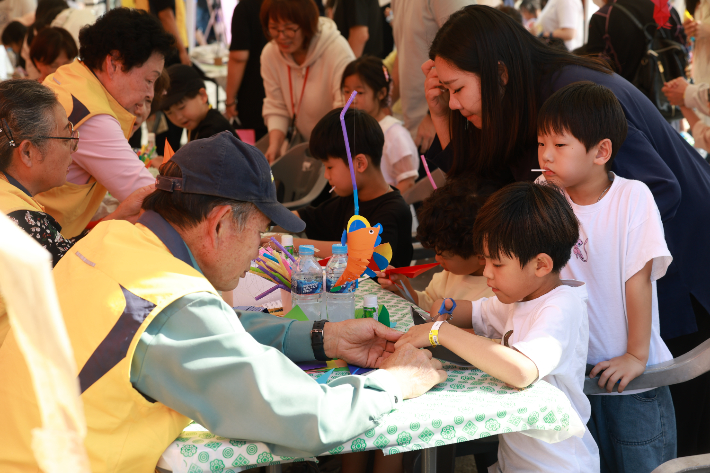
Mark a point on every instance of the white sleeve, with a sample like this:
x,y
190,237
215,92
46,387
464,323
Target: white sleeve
x,y
342,55
275,110
488,317
105,154
696,96
553,331
645,239
400,149
701,134
568,15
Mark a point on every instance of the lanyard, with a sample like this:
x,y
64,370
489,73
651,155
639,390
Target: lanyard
x,y
303,89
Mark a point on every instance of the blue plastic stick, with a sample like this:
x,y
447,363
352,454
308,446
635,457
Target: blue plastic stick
x,y
347,149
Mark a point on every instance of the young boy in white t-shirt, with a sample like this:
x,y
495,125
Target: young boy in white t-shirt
x,y
526,233
620,254
446,225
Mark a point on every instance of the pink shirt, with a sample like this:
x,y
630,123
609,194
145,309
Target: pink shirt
x,y
105,154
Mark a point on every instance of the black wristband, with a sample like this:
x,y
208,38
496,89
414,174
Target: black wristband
x,y
317,340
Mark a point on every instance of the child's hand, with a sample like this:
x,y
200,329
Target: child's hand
x,y
434,312
417,335
394,282
623,368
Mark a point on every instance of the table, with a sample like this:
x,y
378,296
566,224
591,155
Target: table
x,y
469,405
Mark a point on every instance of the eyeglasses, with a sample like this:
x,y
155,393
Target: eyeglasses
x,y
73,136
288,32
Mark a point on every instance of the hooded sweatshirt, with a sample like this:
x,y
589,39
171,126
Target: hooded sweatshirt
x,y
327,56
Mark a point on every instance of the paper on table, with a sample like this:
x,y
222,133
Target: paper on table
x,y
251,286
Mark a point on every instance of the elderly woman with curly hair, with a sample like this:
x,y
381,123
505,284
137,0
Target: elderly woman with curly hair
x,y
122,55
36,145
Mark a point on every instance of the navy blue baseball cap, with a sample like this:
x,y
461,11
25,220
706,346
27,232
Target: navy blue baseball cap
x,y
223,166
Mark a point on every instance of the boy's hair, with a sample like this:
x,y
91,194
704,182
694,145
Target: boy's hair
x,y
373,73
14,33
447,217
511,12
587,111
364,134
525,219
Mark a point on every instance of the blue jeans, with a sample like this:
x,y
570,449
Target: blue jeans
x,y
636,432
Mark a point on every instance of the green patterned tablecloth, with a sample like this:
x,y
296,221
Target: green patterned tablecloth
x,y
469,405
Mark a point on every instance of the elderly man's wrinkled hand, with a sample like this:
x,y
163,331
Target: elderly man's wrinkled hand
x,y
416,371
361,342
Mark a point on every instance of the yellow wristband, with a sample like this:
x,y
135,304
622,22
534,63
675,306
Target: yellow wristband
x,y
434,333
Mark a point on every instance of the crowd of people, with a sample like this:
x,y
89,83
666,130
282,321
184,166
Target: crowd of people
x,y
566,228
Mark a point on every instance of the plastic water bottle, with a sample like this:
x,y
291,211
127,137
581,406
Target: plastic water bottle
x,y
307,283
340,305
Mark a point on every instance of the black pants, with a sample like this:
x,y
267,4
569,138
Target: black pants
x,y
692,398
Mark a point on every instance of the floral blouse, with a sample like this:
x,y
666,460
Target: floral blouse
x,y
43,228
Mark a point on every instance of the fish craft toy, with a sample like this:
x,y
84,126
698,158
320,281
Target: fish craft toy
x,y
366,252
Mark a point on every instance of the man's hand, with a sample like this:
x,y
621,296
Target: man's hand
x,y
361,342
130,209
623,368
425,134
674,91
415,370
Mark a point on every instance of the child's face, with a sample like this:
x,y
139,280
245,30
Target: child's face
x,y
455,264
509,282
566,161
188,113
338,175
365,99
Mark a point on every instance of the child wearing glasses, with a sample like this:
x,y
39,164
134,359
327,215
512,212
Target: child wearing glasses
x,y
526,233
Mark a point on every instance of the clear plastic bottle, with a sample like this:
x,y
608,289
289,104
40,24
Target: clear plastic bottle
x,y
340,305
307,283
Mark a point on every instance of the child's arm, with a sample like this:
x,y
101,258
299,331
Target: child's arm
x,y
628,366
461,314
506,364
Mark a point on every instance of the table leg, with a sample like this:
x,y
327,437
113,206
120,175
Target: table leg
x,y
273,469
429,460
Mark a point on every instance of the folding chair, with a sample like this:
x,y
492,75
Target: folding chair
x,y
298,177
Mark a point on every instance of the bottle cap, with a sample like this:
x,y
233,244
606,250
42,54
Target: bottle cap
x,y
286,240
370,301
339,249
306,250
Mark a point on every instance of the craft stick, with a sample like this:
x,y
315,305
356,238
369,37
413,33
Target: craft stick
x,y
288,255
284,262
269,274
426,168
270,290
347,149
274,267
279,278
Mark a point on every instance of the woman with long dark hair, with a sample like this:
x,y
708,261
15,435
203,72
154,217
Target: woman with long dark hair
x,y
486,81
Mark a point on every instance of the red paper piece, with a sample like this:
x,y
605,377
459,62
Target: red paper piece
x,y
411,271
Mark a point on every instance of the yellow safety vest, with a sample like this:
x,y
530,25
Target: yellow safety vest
x,y
180,15
83,96
11,200
111,285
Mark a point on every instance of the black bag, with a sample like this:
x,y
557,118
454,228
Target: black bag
x,y
665,59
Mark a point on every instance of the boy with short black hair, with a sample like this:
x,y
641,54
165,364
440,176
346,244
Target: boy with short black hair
x,y
446,221
186,105
620,253
526,233
378,202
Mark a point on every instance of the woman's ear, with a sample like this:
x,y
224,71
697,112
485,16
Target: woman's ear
x,y
361,162
503,73
26,150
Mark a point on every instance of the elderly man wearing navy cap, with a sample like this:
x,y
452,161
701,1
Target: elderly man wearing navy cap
x,y
156,346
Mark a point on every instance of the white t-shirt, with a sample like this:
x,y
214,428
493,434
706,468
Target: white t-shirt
x,y
456,286
617,237
553,332
564,14
400,159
